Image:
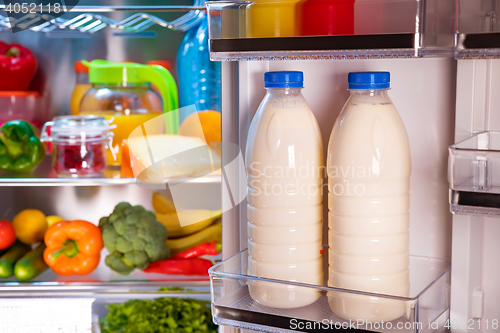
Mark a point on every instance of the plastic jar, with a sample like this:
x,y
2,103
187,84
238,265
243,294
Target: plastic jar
x,y
79,145
326,17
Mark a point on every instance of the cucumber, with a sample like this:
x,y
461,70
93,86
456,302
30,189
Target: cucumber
x,y
31,264
7,261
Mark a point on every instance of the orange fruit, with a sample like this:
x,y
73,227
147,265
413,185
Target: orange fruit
x,y
205,125
30,226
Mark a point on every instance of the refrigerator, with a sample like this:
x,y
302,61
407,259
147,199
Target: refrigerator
x,y
115,30
442,56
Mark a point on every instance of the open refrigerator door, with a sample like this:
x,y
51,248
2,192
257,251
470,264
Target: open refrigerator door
x,y
442,58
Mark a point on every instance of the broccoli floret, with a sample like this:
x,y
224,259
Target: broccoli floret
x,y
137,258
109,236
133,237
115,262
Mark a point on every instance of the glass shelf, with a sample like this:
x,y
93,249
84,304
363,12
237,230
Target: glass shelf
x,y
474,173
44,176
382,29
425,309
90,20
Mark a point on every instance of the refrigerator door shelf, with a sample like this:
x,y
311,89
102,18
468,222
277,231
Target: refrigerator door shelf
x,y
382,29
425,310
474,168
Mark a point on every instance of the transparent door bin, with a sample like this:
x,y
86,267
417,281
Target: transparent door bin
x,y
380,29
474,175
425,310
478,29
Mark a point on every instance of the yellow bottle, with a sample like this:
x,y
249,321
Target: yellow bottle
x,y
272,18
82,85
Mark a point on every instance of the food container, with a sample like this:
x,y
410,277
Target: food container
x,y
18,105
123,94
79,145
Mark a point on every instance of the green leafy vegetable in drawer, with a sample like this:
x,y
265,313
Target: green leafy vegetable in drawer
x,y
161,315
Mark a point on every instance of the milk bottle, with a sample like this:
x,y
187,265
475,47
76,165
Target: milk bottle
x,y
284,160
369,168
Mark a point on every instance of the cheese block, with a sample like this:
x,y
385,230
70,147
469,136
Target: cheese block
x,y
155,158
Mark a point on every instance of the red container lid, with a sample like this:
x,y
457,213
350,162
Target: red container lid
x,y
19,94
80,67
163,63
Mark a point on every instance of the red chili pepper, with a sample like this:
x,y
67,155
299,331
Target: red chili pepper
x,y
194,266
17,67
212,248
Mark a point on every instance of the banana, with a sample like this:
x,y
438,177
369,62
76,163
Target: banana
x,y
202,218
163,204
209,234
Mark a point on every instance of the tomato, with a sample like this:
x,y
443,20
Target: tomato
x,y
7,234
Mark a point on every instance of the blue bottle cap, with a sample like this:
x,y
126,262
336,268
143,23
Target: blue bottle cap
x,y
283,79
369,80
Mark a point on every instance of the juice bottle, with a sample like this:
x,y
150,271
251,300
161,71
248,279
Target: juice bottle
x,y
284,159
326,17
82,85
272,18
122,93
369,166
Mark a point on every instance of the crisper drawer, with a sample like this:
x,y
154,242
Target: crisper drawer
x,y
71,312
425,310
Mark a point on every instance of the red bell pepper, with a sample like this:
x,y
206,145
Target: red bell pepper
x,y
193,266
17,67
212,248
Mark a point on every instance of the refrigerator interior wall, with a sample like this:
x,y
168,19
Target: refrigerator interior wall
x,y
475,270
423,91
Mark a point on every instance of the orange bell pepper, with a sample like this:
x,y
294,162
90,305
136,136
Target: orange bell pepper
x,y
73,247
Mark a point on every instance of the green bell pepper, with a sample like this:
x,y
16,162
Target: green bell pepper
x,y
20,148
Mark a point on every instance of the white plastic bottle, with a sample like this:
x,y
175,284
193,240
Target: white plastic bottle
x,y
284,160
369,166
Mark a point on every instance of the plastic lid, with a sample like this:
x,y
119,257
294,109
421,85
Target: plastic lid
x,y
93,125
163,63
19,94
369,80
107,72
80,67
283,79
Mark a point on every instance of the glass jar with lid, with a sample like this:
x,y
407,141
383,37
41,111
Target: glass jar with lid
x,y
79,145
123,94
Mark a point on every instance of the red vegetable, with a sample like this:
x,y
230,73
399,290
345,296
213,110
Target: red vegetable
x,y
212,248
194,266
7,234
17,67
